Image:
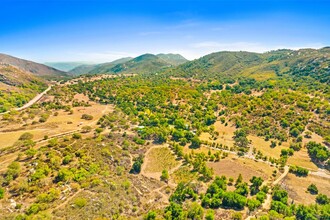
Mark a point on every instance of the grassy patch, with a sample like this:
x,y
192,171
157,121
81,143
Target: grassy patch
x,y
160,158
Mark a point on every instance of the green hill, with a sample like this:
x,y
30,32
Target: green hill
x,y
146,63
173,59
305,62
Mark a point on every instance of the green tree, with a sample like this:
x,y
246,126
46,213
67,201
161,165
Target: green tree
x,y
165,176
150,216
209,215
195,142
312,189
26,136
322,199
195,211
174,211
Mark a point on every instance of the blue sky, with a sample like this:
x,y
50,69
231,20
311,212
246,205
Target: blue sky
x,y
104,30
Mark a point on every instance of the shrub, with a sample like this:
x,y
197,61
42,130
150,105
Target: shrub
x,y
87,117
312,189
150,216
26,136
233,200
236,216
2,193
76,136
322,199
299,171
80,202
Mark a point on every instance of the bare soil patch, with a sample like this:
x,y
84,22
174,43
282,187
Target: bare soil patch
x,y
297,187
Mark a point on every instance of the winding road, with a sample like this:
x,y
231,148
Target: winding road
x,y
34,100
31,102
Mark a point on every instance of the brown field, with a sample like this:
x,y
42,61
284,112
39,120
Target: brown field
x,y
7,139
264,147
226,134
302,159
64,122
202,149
314,137
297,187
233,166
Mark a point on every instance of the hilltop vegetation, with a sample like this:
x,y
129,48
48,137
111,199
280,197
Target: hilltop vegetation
x,y
297,64
146,63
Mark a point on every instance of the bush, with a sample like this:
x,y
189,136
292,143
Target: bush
x,y
137,165
80,202
233,200
150,216
26,136
76,136
252,204
236,216
164,177
87,117
2,193
322,199
299,171
317,151
312,189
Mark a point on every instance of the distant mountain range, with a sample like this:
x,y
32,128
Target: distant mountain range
x,y
36,69
66,66
146,63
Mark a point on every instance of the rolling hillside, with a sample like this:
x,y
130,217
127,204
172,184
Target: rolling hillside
x,y
305,62
174,59
146,63
36,69
17,87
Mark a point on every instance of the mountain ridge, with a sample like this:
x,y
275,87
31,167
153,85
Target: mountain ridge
x,y
34,68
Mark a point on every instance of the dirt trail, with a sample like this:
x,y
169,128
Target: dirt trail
x,y
286,171
31,102
67,200
267,202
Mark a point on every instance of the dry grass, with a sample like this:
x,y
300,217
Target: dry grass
x,y
183,174
7,139
61,123
226,134
233,166
159,158
264,147
297,187
301,158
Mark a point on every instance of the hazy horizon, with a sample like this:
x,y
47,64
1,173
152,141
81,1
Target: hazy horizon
x,y
102,31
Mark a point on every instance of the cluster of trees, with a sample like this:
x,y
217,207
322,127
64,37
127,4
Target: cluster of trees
x,y
299,171
318,153
280,208
216,195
